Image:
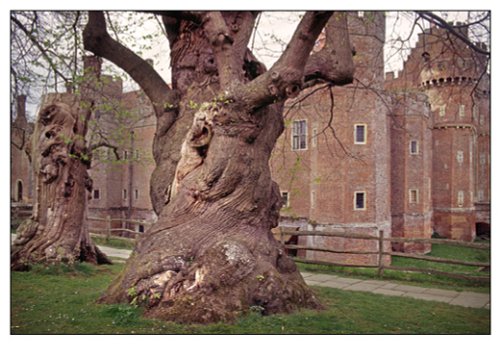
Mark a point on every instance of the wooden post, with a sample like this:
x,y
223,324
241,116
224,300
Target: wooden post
x,y
108,227
380,253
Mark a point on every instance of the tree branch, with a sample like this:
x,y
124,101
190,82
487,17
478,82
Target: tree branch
x,y
40,48
431,17
222,42
284,79
97,40
334,62
105,144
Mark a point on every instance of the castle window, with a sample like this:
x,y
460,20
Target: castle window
x,y
482,159
285,199
136,193
460,156
360,134
413,196
124,193
442,110
314,138
19,191
96,194
414,147
461,110
460,199
480,195
313,199
360,200
299,135
474,112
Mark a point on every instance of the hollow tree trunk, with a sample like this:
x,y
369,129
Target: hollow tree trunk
x,y
57,231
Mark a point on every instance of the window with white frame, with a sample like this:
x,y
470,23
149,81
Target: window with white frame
x,y
460,199
413,195
482,159
480,195
461,110
474,112
360,134
413,147
442,110
299,135
285,199
314,138
359,200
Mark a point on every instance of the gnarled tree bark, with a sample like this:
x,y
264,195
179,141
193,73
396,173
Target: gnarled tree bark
x,y
57,231
211,255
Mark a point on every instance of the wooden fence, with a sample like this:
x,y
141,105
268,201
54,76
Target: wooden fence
x,y
380,266
109,230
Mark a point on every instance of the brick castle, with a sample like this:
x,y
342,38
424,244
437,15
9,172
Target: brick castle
x,y
406,155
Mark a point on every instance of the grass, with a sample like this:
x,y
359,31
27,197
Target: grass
x,y
421,279
62,300
114,242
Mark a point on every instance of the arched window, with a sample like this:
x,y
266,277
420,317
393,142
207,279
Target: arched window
x,y
19,191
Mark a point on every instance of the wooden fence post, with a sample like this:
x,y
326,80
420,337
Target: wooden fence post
x,y
380,253
108,227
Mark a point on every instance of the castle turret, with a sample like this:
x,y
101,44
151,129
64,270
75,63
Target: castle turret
x,y
448,71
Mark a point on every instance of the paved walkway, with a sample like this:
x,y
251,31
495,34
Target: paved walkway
x,y
459,298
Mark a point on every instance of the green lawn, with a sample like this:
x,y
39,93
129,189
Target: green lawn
x,y
421,279
115,242
62,300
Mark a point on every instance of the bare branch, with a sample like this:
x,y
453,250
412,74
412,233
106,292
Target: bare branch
x,y
431,17
284,79
105,144
334,62
40,48
222,42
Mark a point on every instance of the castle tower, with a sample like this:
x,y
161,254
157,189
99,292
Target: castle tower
x,y
21,170
450,80
411,169
448,72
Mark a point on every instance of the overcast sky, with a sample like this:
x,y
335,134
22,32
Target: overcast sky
x,y
274,29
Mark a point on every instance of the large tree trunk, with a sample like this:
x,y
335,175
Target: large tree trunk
x,y
57,231
211,255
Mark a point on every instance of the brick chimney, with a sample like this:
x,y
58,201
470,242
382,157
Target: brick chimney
x,y
21,110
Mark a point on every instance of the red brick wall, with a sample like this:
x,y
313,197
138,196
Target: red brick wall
x,y
323,179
